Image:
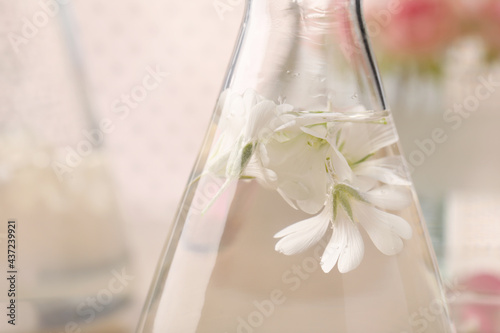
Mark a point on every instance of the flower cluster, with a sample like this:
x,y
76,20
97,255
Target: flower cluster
x,y
323,165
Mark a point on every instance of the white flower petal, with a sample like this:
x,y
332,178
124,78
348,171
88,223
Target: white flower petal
x,y
340,166
390,170
217,161
353,253
334,248
301,171
291,123
259,120
302,235
363,183
234,161
250,98
284,108
287,199
265,177
385,230
226,151
345,247
339,163
295,124
263,155
362,139
390,197
286,127
381,136
318,131
295,190
302,122
312,205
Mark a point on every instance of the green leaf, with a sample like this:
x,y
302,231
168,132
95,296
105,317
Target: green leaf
x,y
344,201
341,146
246,154
351,192
362,160
335,204
337,138
343,194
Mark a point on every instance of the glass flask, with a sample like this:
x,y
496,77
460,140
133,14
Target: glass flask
x,y
66,243
299,215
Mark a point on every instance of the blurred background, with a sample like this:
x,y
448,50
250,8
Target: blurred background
x,y
104,106
439,61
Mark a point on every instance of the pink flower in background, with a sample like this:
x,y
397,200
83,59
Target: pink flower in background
x,y
484,283
412,27
480,315
488,20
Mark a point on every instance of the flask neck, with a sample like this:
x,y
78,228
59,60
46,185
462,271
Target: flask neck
x,y
309,53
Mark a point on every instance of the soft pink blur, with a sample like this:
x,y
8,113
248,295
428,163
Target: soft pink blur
x,y
482,315
413,27
489,22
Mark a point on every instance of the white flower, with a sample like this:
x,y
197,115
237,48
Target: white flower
x,y
345,247
347,148
234,146
300,165
356,196
245,121
346,209
335,169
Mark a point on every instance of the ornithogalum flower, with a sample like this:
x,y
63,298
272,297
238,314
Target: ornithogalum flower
x,y
360,189
338,171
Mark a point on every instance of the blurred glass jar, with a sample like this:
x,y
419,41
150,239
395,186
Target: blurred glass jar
x,y
55,182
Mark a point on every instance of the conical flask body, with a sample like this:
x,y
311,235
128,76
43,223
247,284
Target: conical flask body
x,y
300,215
